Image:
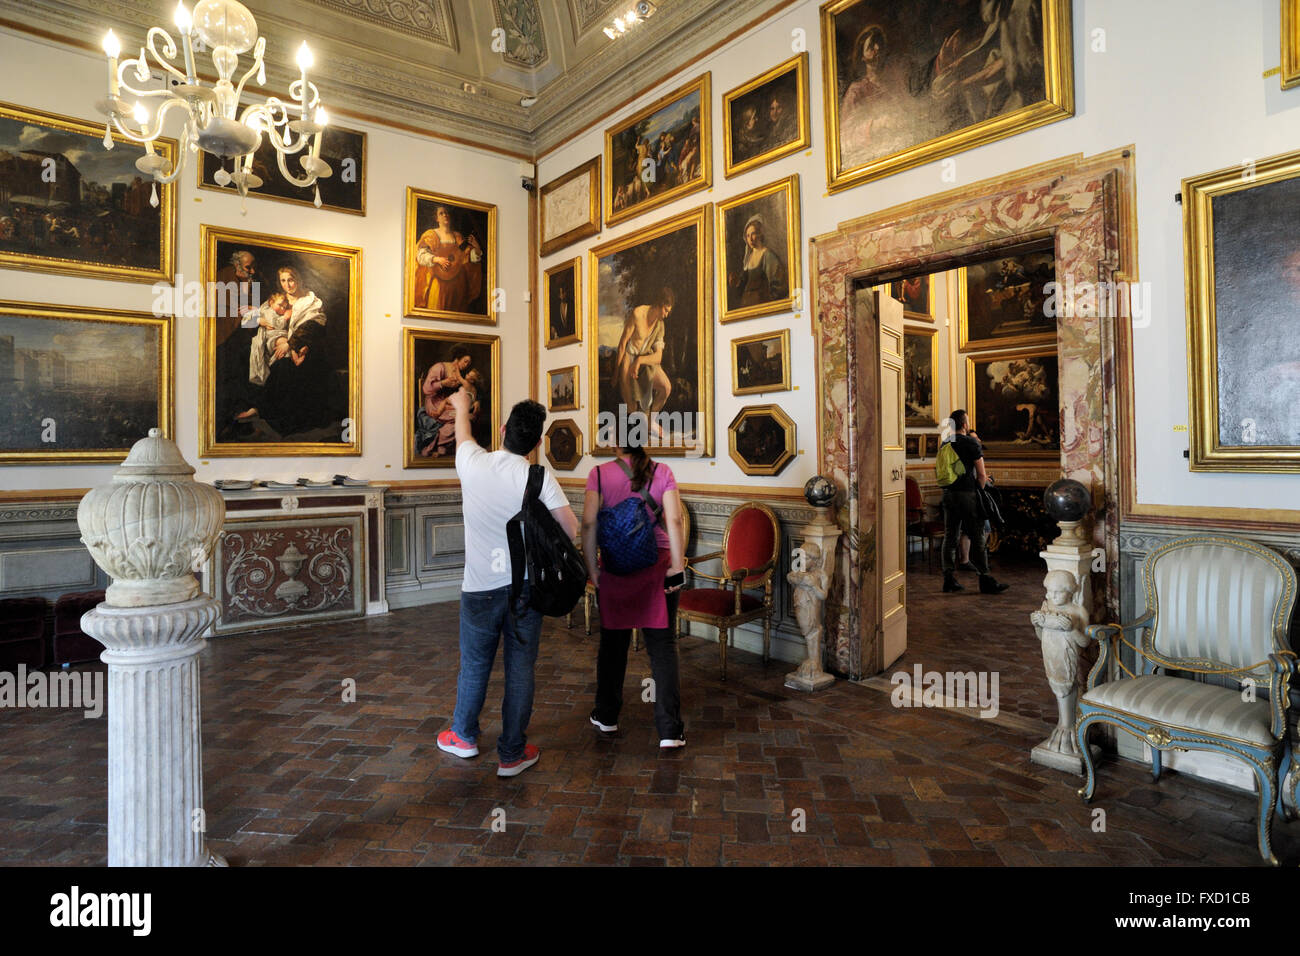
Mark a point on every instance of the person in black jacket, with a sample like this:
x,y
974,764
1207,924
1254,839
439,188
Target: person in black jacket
x,y
962,512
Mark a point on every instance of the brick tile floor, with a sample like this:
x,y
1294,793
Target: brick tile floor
x,y
296,776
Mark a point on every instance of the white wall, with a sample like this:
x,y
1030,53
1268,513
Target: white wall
x,y
56,79
1179,79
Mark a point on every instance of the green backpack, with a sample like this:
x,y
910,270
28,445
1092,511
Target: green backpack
x,y
947,466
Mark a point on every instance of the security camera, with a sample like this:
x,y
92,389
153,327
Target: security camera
x,y
644,8
528,184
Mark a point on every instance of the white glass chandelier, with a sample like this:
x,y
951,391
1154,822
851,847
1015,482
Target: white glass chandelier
x,y
228,29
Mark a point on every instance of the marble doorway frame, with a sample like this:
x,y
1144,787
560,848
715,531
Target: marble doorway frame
x,y
1087,207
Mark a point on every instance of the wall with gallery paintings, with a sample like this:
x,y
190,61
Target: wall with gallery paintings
x,y
1114,42
55,79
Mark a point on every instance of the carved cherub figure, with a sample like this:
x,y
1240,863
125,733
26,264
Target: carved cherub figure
x,y
1060,625
810,587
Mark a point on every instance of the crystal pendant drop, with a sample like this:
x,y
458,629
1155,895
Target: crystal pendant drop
x,y
153,196
222,177
108,137
317,201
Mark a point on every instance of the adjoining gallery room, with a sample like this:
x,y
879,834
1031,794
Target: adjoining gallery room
x,y
680,433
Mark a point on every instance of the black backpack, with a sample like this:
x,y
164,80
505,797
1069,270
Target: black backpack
x,y
556,571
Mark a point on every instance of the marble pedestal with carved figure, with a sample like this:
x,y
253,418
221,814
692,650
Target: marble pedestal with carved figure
x,y
810,576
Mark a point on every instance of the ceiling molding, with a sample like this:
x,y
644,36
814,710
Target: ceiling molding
x,y
426,19
524,35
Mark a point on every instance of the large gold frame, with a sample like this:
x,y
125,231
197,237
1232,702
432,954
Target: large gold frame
x,y
793,250
409,337
413,196
778,415
998,455
577,371
705,180
576,264
701,217
966,344
208,445
1058,103
1206,451
933,334
165,381
590,169
365,164
784,336
798,63
1290,43
164,147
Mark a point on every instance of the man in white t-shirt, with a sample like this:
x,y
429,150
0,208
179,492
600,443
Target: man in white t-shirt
x,y
492,490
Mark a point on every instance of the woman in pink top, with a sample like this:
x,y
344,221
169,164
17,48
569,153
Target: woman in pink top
x,y
640,599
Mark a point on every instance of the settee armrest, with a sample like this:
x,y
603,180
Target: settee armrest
x,y
1282,666
1107,635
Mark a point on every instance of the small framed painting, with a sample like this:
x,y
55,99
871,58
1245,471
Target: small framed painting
x,y
758,245
436,365
913,445
917,295
562,389
931,446
762,439
451,259
920,363
761,363
569,207
344,190
562,293
766,118
564,444
1006,302
1013,399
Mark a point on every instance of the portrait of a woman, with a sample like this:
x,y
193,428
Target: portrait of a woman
x,y
761,276
449,266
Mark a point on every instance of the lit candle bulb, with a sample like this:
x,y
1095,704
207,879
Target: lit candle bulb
x,y
304,60
112,48
184,22
142,117
321,120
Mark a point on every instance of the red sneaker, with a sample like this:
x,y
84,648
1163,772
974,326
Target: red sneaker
x,y
530,757
448,741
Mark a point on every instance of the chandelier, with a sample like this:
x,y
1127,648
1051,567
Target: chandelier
x,y
228,29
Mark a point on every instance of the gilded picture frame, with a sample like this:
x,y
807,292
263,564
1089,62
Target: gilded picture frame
x,y
997,317
338,145
93,217
753,141
569,207
632,172
422,351
913,445
132,350
921,377
1242,276
762,439
303,394
870,130
754,368
773,211
674,254
561,285
1290,43
917,295
1011,389
562,389
564,444
461,271
931,446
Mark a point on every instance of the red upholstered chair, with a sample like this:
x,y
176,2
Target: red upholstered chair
x,y
750,546
71,644
22,632
918,526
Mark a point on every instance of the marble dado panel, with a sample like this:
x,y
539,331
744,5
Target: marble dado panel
x,y
41,554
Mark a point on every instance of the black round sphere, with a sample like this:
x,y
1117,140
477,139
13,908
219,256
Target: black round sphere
x,y
818,491
1067,500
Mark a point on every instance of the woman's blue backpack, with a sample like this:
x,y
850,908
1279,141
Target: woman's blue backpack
x,y
626,532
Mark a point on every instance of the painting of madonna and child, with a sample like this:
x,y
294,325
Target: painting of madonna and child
x,y
653,345
437,365
280,346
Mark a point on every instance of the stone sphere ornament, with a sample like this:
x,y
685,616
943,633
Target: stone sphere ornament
x,y
1067,500
819,491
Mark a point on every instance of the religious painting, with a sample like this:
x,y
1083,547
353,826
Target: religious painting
x,y
908,83
758,246
1290,44
920,368
451,258
569,207
931,445
661,153
562,291
81,384
70,206
651,345
1014,402
913,445
1243,295
917,295
1007,301
281,363
344,190
564,444
562,389
436,365
760,363
766,118
761,439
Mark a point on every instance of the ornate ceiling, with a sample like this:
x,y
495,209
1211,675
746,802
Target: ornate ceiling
x,y
457,68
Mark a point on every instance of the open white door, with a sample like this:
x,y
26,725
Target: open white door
x,y
891,556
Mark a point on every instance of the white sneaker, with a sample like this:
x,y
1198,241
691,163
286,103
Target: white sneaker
x,y
606,728
668,743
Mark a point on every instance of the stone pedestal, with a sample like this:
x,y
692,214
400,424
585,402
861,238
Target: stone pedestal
x,y
1072,551
811,584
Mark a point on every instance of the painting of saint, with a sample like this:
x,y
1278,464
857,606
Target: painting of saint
x,y
1007,301
451,257
914,293
1014,401
439,364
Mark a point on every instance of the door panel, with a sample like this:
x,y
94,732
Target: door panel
x,y
892,544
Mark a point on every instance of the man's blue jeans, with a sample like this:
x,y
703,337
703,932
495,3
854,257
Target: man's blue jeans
x,y
484,619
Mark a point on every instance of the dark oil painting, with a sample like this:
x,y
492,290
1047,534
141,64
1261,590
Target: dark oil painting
x,y
1009,298
343,190
1015,405
443,364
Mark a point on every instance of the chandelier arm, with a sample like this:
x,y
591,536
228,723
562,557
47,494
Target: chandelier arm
x,y
275,114
169,49
258,52
151,132
289,177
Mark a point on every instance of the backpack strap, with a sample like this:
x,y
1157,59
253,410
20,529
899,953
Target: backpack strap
x,y
515,535
655,510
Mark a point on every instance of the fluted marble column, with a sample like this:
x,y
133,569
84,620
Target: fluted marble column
x,y
148,529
